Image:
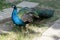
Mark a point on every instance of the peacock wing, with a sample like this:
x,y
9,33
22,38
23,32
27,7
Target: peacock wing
x,y
22,12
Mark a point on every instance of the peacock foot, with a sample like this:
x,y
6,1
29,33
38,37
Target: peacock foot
x,y
25,29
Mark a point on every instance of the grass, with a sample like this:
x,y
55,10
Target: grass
x,y
4,5
37,28
19,34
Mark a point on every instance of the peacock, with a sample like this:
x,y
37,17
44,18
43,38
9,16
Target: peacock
x,y
22,17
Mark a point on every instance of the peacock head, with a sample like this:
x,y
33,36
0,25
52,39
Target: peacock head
x,y
14,6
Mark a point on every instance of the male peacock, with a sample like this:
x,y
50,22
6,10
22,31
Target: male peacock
x,y
22,17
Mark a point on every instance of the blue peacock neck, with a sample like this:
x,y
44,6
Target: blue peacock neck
x,y
15,17
14,11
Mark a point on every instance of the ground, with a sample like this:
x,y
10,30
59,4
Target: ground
x,y
35,29
52,33
16,33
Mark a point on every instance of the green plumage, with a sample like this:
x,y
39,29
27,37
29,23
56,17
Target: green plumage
x,y
22,12
25,14
43,13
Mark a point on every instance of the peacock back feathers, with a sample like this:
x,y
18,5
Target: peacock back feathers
x,y
22,12
25,14
44,13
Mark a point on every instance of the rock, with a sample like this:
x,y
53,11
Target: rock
x,y
28,4
11,1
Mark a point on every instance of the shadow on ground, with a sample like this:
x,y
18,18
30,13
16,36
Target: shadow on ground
x,y
8,27
5,28
56,37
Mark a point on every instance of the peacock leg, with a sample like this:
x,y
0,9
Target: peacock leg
x,y
26,27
